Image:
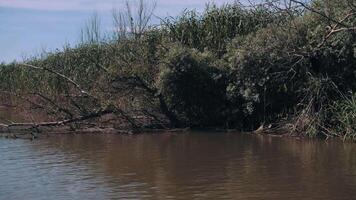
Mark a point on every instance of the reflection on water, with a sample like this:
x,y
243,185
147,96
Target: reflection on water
x,y
169,166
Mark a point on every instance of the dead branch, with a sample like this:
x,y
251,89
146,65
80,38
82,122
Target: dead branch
x,y
58,107
60,123
304,5
339,25
76,85
333,32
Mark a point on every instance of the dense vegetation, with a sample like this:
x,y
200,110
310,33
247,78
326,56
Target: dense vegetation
x,y
284,64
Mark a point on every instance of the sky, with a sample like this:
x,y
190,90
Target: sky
x,y
29,27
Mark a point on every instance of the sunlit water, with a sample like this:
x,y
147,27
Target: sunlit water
x,y
176,166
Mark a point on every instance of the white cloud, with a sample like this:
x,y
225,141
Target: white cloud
x,y
56,5
60,4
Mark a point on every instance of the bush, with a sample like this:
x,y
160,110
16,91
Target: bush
x,y
192,89
265,72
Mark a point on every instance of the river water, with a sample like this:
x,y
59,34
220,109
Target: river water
x,y
176,166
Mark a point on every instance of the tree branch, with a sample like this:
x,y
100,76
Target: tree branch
x,y
60,123
76,85
304,5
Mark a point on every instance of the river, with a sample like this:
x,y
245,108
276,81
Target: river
x,y
176,166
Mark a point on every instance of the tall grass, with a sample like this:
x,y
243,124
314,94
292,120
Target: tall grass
x,y
216,26
345,116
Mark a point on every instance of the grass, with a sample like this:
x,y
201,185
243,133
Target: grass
x,y
345,117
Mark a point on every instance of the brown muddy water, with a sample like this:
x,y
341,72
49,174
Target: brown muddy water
x,y
176,166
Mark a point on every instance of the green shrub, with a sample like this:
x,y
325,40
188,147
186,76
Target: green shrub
x,y
266,73
193,90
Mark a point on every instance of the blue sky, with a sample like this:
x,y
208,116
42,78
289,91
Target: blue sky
x,y
29,26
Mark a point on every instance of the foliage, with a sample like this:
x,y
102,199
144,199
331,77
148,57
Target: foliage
x,y
192,88
215,28
230,66
266,71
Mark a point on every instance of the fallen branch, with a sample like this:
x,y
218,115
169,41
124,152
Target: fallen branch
x,y
60,123
76,85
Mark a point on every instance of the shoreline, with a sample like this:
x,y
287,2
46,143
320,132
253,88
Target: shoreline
x,y
44,134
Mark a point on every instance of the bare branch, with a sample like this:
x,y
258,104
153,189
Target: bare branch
x,y
334,29
304,5
76,85
134,22
60,123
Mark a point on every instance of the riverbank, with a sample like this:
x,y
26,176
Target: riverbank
x,y
45,133
232,66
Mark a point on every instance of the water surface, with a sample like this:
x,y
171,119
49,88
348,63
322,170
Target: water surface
x,y
176,166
